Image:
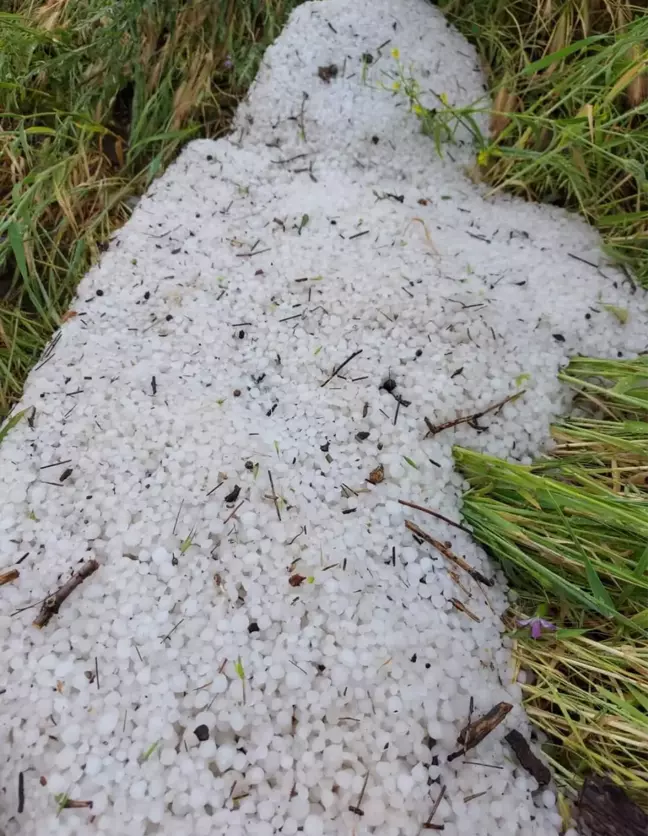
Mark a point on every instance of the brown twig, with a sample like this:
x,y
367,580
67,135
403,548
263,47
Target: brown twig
x,y
435,514
448,554
428,824
71,804
52,603
459,605
470,419
234,511
8,576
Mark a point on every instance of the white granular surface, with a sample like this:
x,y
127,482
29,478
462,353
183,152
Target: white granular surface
x,y
218,284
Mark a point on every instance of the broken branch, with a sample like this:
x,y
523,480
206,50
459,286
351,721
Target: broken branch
x,y
435,514
470,419
448,554
52,604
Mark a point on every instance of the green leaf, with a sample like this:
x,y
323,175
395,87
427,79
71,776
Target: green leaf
x,y
10,423
147,754
238,667
560,54
639,696
620,313
61,799
598,590
15,236
411,463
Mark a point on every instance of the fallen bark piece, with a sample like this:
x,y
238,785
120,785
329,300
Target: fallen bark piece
x,y
606,810
8,576
473,733
52,604
527,758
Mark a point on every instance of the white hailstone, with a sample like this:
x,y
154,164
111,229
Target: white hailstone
x,y
160,555
225,756
219,684
266,810
374,812
57,783
263,828
313,826
299,807
405,784
108,719
290,826
394,705
167,756
71,735
65,758
138,790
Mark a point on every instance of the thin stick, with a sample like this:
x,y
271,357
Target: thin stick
x,y
435,514
474,796
428,824
341,366
251,253
175,524
356,808
274,496
53,602
470,419
168,635
234,511
487,765
449,555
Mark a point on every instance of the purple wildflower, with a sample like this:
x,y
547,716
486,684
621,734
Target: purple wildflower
x,y
536,625
228,63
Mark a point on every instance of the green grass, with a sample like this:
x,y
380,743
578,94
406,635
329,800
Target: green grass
x,y
570,103
96,98
571,532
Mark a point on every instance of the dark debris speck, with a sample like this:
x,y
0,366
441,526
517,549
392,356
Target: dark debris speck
x,y
202,732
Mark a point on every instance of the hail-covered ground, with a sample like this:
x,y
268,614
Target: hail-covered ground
x,y
264,638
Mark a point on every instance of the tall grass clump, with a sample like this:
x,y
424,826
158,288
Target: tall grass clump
x,y
569,82
571,532
96,98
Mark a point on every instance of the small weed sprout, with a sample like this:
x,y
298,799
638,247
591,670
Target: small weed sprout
x,y
441,122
